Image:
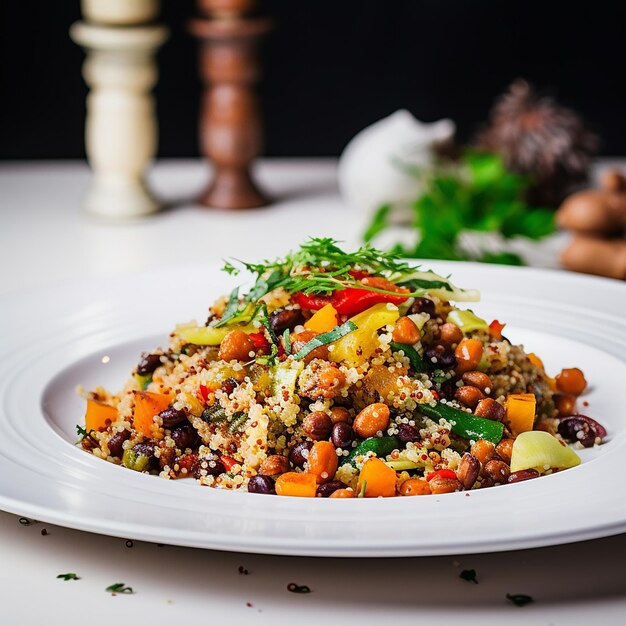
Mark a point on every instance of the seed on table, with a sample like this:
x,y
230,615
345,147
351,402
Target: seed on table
x,y
342,435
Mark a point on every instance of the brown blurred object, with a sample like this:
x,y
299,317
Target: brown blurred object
x,y
597,217
539,138
231,129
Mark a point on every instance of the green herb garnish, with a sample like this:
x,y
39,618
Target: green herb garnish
x,y
237,423
361,493
325,338
477,194
119,588
68,576
415,359
519,599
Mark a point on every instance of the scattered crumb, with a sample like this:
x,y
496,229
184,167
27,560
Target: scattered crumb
x,y
243,571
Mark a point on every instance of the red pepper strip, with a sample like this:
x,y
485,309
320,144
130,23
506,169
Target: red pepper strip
x,y
444,473
260,341
204,392
495,328
228,462
349,301
435,394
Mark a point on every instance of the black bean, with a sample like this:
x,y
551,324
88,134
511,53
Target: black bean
x,y
581,428
423,305
408,433
261,484
148,363
299,453
342,435
116,441
172,417
208,467
229,385
145,448
184,436
282,319
327,489
439,357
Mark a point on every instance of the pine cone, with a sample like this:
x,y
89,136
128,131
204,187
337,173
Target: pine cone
x,y
539,138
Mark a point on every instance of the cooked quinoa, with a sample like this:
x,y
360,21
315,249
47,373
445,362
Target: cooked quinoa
x,y
336,375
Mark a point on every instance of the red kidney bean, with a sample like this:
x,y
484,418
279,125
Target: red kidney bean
x,y
282,319
172,417
520,475
145,448
116,441
299,453
342,435
148,363
581,428
184,436
261,484
327,489
208,467
408,433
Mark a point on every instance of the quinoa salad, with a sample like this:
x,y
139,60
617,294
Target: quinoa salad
x,y
342,374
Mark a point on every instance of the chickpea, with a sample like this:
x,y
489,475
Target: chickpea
x,y
468,396
405,331
299,339
468,471
479,380
342,493
490,409
504,450
572,381
323,461
496,470
236,346
317,425
274,465
340,414
468,354
371,419
483,450
414,487
450,334
441,484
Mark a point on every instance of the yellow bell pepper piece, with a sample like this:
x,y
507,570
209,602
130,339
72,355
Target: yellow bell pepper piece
x,y
323,320
359,345
520,412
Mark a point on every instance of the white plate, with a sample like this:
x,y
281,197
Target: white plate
x,y
55,340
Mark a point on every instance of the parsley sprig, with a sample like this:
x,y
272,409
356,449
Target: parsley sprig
x,y
476,194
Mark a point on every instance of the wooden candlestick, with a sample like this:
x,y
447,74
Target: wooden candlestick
x,y
231,131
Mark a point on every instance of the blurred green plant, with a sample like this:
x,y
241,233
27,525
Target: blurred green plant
x,y
476,193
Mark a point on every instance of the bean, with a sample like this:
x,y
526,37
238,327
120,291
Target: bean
x,y
116,441
565,403
323,461
327,489
372,419
441,484
450,334
342,435
229,385
145,448
497,470
274,464
405,331
184,436
407,433
172,417
283,319
422,305
261,484
342,493
299,453
148,363
439,357
520,475
469,469
490,409
414,487
582,429
236,346
483,450
317,425
208,467
571,380
469,396
468,354
504,450
340,414
478,379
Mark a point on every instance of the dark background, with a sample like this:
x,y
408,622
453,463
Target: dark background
x,y
332,67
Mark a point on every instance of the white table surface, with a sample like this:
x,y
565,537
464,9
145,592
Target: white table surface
x,y
46,239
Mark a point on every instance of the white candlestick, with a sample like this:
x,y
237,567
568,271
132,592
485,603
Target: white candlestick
x,y
121,131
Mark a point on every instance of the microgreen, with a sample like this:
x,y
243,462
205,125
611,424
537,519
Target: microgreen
x,y
519,599
119,588
469,575
324,339
68,576
477,194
